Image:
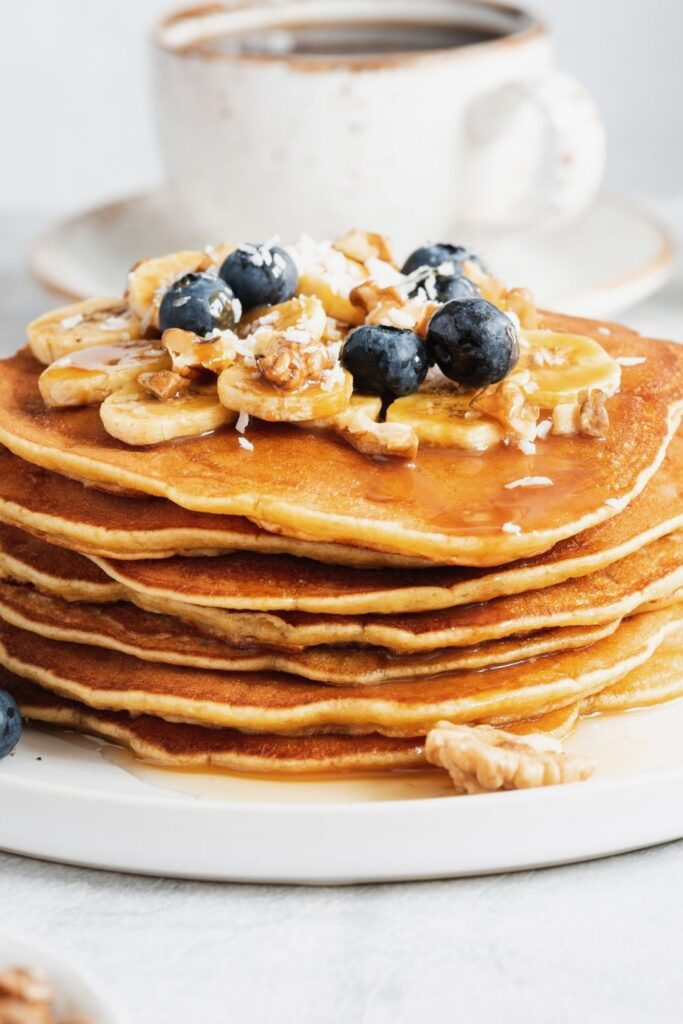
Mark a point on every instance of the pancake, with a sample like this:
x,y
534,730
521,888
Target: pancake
x,y
53,570
123,627
652,574
268,702
268,581
174,745
448,506
659,681
283,583
96,522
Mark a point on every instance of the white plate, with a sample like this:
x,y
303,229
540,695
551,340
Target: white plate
x,y
75,800
75,993
616,254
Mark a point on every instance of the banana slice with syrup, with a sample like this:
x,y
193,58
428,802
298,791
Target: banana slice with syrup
x,y
243,389
82,325
562,365
445,418
88,377
137,418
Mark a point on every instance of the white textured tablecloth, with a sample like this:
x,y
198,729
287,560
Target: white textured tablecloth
x,y
589,944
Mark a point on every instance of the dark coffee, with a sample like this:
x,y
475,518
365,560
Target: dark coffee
x,y
350,39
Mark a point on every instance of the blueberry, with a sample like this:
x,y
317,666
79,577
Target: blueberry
x,y
472,342
260,275
438,253
10,724
442,287
199,302
385,361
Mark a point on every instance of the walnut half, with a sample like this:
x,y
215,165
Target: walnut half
x,y
289,365
481,759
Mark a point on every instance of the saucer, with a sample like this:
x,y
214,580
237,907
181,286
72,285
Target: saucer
x,y
613,256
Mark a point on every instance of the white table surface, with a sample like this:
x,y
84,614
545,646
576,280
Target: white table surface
x,y
597,942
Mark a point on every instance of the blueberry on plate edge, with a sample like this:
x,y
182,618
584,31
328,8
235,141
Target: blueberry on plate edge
x,y
199,302
473,342
260,275
10,724
386,361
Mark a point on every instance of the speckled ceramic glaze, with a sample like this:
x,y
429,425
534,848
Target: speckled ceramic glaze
x,y
416,144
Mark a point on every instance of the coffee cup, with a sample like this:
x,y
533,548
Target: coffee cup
x,y
419,120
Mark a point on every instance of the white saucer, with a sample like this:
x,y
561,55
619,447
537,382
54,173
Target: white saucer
x,y
75,993
616,254
74,799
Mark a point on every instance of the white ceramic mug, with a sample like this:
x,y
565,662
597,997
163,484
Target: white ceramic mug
x,y
414,144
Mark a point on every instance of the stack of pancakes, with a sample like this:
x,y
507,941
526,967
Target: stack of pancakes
x,y
300,606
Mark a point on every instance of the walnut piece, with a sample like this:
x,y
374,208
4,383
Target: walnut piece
x,y
389,307
289,365
164,384
481,759
26,998
362,246
587,415
508,403
593,416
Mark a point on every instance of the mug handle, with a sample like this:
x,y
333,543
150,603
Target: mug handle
x,y
575,140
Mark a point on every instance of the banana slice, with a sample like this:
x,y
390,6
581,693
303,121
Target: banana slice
x,y
301,319
243,389
86,378
149,279
367,405
190,354
443,418
68,329
331,276
134,416
563,365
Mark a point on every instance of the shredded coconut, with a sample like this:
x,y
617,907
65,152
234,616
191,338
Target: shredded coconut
x,y
618,503
604,330
332,378
526,447
114,323
530,481
511,528
244,443
298,336
242,422
544,428
631,360
71,321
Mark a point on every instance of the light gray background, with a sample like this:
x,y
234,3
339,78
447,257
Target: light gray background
x,y
595,943
77,126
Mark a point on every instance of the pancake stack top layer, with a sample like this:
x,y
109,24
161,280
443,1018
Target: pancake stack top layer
x,y
300,575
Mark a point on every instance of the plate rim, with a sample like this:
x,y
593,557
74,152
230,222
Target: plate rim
x,y
649,276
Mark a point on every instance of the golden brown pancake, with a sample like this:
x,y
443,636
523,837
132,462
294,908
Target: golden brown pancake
x,y
123,627
268,702
282,583
96,522
192,746
652,574
449,506
269,581
175,745
660,680
53,570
